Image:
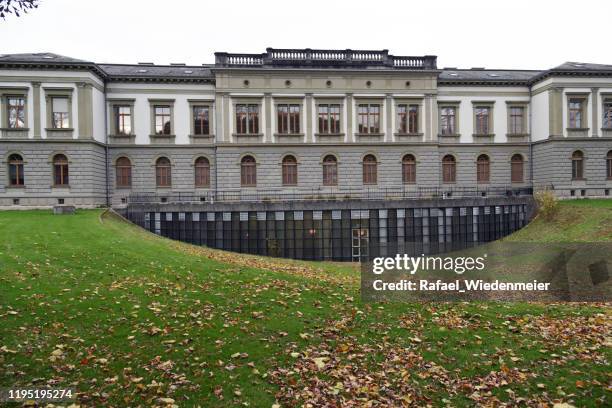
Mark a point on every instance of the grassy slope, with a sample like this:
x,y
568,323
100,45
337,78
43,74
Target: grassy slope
x,y
577,221
111,298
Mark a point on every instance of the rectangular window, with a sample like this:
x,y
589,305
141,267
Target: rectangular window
x,y
16,112
483,116
402,118
61,116
329,118
516,125
253,119
448,120
288,118
123,120
413,119
369,118
576,113
247,119
607,115
163,126
201,120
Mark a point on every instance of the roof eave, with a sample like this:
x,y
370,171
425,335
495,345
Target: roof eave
x,y
51,65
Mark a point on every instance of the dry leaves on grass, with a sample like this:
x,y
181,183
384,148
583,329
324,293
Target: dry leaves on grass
x,y
347,371
265,263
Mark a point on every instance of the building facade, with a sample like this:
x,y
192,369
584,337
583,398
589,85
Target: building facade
x,y
301,122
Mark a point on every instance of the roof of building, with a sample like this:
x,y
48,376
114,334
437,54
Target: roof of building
x,y
582,66
576,69
41,57
275,58
150,72
477,76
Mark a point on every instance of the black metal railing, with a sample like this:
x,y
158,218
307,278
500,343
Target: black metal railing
x,y
344,194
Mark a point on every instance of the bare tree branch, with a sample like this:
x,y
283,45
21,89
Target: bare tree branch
x,y
16,7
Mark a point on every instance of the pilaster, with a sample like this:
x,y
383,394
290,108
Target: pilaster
x,y
349,118
388,117
555,112
268,115
36,105
85,110
308,113
595,105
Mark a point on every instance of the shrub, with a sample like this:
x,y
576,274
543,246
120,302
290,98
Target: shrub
x,y
548,206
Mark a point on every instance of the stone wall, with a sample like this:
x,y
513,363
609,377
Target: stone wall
x,y
552,166
87,177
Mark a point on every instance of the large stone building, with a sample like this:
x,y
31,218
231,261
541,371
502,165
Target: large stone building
x,y
303,122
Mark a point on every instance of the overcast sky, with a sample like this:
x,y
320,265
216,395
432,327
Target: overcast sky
x,y
529,34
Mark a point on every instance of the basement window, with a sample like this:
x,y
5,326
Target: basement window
x,y
16,201
60,201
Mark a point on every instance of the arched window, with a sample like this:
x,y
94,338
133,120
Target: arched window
x,y
60,170
516,169
15,163
449,167
370,169
483,165
289,171
202,172
123,168
577,165
409,169
330,170
609,165
248,171
163,172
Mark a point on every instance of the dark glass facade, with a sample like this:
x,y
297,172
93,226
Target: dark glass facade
x,y
338,235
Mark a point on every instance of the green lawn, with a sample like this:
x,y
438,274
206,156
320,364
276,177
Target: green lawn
x,y
577,221
129,319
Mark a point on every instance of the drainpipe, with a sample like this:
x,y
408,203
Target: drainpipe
x,y
216,186
106,146
530,139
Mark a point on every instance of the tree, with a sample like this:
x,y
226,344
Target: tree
x,y
16,7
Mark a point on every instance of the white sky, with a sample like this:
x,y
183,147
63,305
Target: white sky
x,y
521,34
